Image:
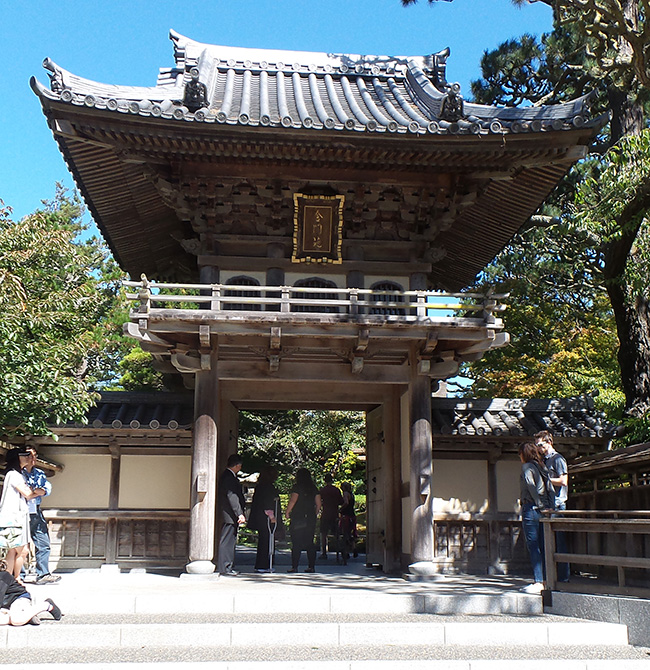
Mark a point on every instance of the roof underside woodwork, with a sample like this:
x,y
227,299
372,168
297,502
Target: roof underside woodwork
x,y
173,184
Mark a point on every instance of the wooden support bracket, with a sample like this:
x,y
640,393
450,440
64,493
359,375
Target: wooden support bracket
x,y
274,363
357,364
363,338
276,338
204,336
430,344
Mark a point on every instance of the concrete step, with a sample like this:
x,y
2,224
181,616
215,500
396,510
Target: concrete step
x,y
419,630
88,593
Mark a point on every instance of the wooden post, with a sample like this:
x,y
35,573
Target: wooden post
x,y
113,504
392,483
549,554
421,472
204,470
494,563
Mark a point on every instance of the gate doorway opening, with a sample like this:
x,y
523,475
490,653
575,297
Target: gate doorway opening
x,y
350,443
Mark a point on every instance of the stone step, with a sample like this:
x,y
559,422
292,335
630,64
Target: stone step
x,y
428,631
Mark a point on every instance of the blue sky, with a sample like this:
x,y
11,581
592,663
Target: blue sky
x,y
126,42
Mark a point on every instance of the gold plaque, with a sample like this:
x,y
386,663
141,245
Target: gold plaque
x,y
317,228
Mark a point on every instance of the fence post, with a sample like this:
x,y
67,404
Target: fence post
x,y
215,303
286,295
421,308
354,301
549,553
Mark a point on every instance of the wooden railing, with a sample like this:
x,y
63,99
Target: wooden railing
x,y
349,302
613,547
90,538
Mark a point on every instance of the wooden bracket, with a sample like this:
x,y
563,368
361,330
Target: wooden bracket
x,y
357,364
275,345
204,336
363,338
274,363
430,344
276,338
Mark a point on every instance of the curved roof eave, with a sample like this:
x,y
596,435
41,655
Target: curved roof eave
x,y
321,91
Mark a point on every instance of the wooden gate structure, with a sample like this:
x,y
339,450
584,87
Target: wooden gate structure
x,y
300,227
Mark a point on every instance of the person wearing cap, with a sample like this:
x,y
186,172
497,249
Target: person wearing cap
x,y
36,479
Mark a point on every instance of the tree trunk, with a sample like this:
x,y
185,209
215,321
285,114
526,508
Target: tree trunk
x,y
632,314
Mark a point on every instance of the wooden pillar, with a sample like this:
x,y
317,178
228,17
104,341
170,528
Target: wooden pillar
x,y
421,472
113,503
392,471
494,560
204,470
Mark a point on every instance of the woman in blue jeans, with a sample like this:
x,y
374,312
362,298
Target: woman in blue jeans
x,y
534,498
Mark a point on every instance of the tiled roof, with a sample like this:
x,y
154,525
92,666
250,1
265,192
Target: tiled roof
x,y
123,409
566,418
319,91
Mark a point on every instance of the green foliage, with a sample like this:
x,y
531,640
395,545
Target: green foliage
x,y
56,294
321,441
613,205
138,373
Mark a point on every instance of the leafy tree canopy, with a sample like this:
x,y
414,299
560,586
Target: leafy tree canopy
x,y
322,441
57,295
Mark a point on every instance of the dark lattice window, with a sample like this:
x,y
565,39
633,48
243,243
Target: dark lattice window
x,y
315,282
391,293
242,280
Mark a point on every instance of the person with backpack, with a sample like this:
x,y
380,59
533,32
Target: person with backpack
x,y
535,496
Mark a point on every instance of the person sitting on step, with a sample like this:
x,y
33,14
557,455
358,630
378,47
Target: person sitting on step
x,y
17,606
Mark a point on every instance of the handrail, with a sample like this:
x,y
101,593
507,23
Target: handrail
x,y
629,522
283,298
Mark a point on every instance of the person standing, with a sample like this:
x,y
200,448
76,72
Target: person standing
x,y
14,515
36,479
265,517
231,513
331,498
302,510
534,498
559,474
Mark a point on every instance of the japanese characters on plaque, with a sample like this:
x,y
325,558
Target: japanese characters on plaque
x,y
317,226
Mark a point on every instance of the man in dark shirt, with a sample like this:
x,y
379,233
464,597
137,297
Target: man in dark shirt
x,y
331,499
231,514
559,474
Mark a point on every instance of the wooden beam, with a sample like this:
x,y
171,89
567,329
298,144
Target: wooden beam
x,y
320,372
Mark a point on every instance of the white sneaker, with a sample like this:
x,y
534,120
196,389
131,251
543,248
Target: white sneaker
x,y
534,589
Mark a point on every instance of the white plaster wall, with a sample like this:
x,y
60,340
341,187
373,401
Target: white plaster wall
x,y
155,482
460,486
83,484
508,486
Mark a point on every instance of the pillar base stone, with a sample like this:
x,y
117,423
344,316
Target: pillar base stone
x,y
423,571
200,568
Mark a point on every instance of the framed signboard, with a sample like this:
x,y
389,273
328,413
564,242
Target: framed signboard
x,y
317,228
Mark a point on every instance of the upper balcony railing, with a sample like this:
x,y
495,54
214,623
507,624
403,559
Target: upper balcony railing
x,y
340,304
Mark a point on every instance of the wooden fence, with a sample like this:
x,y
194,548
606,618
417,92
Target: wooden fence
x,y
90,538
609,550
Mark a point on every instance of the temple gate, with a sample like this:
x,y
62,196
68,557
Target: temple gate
x,y
300,227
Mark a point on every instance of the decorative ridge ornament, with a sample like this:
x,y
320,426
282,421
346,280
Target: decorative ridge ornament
x,y
196,95
452,105
317,228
